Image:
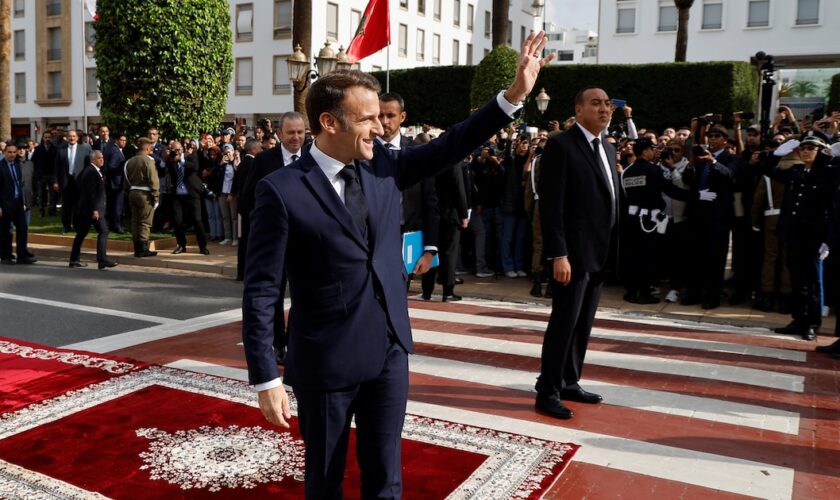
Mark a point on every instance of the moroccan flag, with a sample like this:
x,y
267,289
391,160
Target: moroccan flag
x,y
374,31
91,8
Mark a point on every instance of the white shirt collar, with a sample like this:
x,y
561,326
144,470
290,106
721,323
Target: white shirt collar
x,y
589,135
395,142
329,165
287,155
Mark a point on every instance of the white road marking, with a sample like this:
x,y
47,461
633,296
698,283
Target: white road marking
x,y
90,309
652,364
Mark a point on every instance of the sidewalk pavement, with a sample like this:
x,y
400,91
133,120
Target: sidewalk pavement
x,y
222,262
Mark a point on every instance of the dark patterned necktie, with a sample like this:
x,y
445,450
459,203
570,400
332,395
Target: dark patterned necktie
x,y
354,198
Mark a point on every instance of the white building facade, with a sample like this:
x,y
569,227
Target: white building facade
x,y
53,58
797,32
571,46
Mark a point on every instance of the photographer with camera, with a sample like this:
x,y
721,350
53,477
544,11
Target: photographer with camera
x,y
745,243
785,119
674,160
489,178
182,170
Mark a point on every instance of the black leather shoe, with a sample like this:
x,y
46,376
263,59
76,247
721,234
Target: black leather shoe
x,y
580,396
710,304
459,281
28,260
76,263
831,348
204,251
179,249
452,298
809,334
553,406
427,296
120,230
647,299
792,328
536,290
690,300
8,262
107,263
764,303
631,297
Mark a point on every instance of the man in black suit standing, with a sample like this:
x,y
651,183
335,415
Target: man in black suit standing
x,y
13,207
91,212
332,222
419,202
187,190
579,210
251,149
114,180
292,129
69,162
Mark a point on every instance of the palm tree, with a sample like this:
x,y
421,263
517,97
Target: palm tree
x,y
5,55
683,6
301,34
500,22
803,88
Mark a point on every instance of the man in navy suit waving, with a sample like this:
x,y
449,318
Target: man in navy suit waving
x,y
331,222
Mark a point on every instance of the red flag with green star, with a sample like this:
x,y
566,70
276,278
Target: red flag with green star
x,y
373,33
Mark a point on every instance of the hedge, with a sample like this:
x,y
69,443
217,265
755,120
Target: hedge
x,y
661,95
834,94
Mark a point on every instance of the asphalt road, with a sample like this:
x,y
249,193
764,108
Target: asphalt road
x,y
49,303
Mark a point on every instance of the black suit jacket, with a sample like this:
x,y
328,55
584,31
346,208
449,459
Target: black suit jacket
x,y
452,195
347,291
7,187
91,192
62,162
575,202
420,207
114,166
192,181
265,162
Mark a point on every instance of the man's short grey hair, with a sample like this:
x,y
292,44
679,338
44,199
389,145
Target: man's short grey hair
x,y
96,154
289,115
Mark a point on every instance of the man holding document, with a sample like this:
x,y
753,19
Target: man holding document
x,y
331,221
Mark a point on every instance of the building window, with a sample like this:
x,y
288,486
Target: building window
x,y
282,19
404,4
456,13
626,18
667,17
281,76
355,19
92,90
510,32
244,76
402,41
20,11
712,15
53,7
54,85
332,22
456,52
486,51
590,51
244,22
20,45
20,87
470,17
436,48
421,45
54,38
421,7
469,54
522,35
488,24
556,37
565,55
437,10
808,12
759,14
90,38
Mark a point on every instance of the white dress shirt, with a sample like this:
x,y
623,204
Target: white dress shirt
x,y
287,155
602,153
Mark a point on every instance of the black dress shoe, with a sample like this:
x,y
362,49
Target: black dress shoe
x,y
179,249
459,281
710,304
580,396
536,290
690,300
76,263
451,297
27,260
426,296
647,299
107,263
120,230
809,334
631,297
553,406
831,348
791,328
8,262
204,251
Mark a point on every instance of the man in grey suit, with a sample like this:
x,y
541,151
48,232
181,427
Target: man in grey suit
x,y
69,162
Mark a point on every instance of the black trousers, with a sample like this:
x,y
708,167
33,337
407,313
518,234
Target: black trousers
x,y
566,339
450,237
14,215
116,206
640,255
83,225
803,262
379,408
707,263
187,211
69,200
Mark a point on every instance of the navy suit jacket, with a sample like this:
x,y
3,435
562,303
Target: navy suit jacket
x,y
114,166
91,192
347,292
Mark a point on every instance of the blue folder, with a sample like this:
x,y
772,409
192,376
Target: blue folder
x,y
413,250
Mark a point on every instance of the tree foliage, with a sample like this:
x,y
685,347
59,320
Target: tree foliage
x,y
494,73
165,63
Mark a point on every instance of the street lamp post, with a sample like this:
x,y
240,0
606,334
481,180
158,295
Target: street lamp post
x,y
301,73
542,101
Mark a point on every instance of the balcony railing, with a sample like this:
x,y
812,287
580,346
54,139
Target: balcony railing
x,y
54,54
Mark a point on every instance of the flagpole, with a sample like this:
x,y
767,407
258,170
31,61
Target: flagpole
x,y
388,67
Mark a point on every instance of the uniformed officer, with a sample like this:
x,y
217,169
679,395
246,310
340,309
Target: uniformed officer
x,y
141,180
809,190
645,220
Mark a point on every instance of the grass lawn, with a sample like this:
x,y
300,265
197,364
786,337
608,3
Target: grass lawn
x,y
51,224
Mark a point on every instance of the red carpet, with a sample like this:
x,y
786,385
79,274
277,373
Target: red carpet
x,y
74,425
